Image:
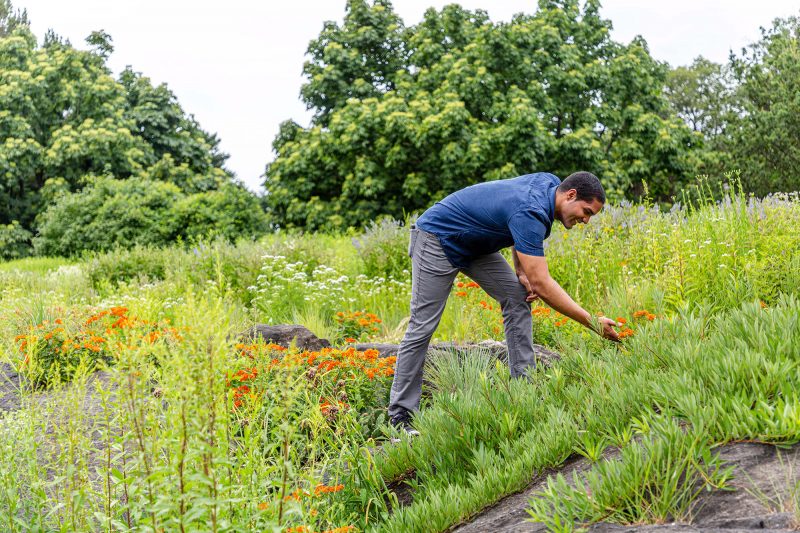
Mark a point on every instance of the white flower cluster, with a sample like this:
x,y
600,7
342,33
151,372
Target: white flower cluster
x,y
284,283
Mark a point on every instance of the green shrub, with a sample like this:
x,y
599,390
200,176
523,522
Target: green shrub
x,y
15,241
383,248
108,213
111,213
230,211
143,262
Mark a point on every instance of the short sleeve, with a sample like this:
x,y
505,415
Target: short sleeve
x,y
528,233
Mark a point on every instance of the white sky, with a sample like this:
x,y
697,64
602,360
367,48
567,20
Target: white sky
x,y
237,65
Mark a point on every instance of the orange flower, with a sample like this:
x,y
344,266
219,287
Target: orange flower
x,y
350,340
122,322
460,284
324,489
627,332
561,322
763,305
473,285
296,495
342,529
621,320
641,313
461,294
262,506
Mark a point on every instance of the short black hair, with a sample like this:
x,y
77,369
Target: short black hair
x,y
586,184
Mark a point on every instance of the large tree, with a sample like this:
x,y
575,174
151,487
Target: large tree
x,y
65,119
470,100
765,137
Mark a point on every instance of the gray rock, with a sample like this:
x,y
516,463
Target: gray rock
x,y
510,514
285,334
496,348
384,349
761,497
9,388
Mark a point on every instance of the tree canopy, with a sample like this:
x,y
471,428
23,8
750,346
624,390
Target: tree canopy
x,y
404,116
64,119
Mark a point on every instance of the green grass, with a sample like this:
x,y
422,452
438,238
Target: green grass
x,y
35,265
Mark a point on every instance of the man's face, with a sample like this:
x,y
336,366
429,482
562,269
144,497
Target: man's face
x,y
574,210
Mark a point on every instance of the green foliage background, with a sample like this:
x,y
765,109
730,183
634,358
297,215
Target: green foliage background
x,y
404,116
64,120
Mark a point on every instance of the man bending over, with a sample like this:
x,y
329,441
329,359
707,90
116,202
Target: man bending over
x,y
464,233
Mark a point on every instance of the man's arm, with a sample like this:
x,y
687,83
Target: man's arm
x,y
546,288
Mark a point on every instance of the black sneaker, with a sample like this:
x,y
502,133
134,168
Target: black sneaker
x,y
402,422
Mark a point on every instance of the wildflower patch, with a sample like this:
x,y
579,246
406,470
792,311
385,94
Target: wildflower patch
x,y
53,351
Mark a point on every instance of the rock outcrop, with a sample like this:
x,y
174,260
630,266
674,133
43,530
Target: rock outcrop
x,y
495,348
762,496
285,335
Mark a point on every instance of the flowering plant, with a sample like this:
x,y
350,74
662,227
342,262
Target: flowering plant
x,y
55,350
357,325
342,381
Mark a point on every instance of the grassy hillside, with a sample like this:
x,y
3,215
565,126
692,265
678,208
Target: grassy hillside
x,y
189,428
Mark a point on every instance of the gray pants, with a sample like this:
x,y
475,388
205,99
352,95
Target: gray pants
x,y
432,278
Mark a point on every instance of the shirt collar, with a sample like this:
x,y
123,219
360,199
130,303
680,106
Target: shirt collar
x,y
553,202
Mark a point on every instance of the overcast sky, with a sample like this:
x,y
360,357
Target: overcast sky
x,y
237,65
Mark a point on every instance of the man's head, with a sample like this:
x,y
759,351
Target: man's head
x,y
579,197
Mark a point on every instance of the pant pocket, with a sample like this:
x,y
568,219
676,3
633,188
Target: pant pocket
x,y
412,240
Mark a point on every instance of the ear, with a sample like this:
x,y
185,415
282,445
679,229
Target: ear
x,y
572,194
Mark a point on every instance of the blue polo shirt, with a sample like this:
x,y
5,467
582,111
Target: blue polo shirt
x,y
484,218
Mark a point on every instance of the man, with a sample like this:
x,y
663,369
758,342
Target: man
x,y
463,233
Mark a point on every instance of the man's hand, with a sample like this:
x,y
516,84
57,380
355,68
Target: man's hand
x,y
523,279
608,326
535,277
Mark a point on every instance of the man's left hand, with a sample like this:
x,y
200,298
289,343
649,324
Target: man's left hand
x,y
608,326
523,279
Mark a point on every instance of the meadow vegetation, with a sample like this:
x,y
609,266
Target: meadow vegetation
x,y
190,427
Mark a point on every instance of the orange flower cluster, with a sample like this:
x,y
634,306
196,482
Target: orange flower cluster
x,y
541,311
240,392
487,306
644,313
94,336
470,285
345,362
356,324
627,331
319,490
328,409
329,364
